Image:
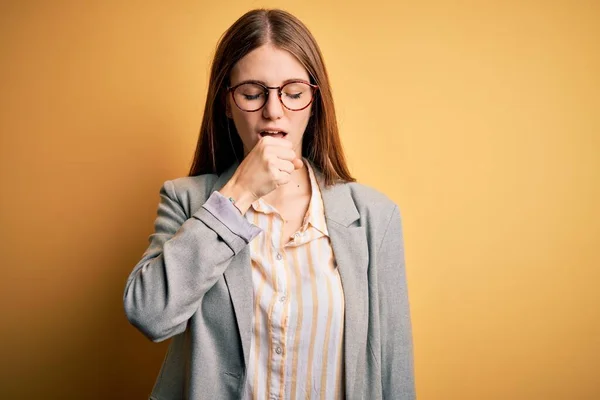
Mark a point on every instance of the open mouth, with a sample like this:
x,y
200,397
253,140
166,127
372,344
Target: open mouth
x,y
273,133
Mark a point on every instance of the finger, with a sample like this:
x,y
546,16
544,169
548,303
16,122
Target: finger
x,y
277,141
298,163
283,178
285,154
285,166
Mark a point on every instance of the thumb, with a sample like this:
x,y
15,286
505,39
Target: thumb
x,y
298,163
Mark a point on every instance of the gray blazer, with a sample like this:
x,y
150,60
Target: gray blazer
x,y
193,284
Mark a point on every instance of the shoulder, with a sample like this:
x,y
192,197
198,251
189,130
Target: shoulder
x,y
373,206
369,196
381,217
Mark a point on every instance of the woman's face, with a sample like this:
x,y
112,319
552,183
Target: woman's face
x,y
272,67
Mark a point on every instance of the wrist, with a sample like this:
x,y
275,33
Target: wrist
x,y
242,199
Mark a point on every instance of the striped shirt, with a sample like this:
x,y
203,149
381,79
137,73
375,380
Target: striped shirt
x,y
296,350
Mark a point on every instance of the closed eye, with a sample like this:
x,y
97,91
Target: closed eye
x,y
294,96
252,96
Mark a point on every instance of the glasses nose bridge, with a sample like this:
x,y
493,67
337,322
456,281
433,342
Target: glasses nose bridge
x,y
269,88
268,92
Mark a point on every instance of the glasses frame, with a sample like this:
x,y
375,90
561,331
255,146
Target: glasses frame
x,y
267,91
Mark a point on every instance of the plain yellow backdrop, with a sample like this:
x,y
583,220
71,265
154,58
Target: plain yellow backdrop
x,y
481,119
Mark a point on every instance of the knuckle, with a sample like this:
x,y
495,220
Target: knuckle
x,y
271,164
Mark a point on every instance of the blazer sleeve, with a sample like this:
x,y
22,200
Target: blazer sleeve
x,y
185,258
396,330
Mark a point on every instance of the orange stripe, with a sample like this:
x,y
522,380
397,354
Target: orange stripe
x,y
256,265
327,330
271,305
284,324
261,270
311,349
300,313
259,266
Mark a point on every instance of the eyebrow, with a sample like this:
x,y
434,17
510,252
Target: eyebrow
x,y
265,83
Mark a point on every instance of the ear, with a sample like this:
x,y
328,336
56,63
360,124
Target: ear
x,y
228,110
225,99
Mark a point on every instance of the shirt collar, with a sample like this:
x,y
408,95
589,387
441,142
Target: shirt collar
x,y
315,215
316,210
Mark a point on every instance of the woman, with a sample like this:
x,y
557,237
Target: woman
x,y
275,274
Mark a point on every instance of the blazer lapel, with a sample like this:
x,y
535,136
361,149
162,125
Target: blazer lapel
x,y
349,243
238,277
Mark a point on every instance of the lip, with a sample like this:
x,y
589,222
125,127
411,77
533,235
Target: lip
x,y
273,129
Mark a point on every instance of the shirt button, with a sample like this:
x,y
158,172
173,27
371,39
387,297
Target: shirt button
x,y
282,299
279,256
278,350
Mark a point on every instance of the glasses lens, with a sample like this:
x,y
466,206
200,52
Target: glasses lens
x,y
249,96
296,95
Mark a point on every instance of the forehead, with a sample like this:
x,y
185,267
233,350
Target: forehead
x,y
268,64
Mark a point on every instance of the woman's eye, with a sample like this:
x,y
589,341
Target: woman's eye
x,y
252,96
294,96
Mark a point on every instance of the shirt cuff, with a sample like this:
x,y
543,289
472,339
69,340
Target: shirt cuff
x,y
228,214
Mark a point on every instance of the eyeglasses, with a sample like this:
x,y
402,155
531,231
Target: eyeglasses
x,y
252,96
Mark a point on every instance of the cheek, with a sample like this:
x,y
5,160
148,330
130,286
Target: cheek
x,y
245,124
300,120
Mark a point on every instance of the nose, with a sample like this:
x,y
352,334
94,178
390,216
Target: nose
x,y
273,109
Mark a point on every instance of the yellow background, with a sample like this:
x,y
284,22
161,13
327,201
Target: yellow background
x,y
481,119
